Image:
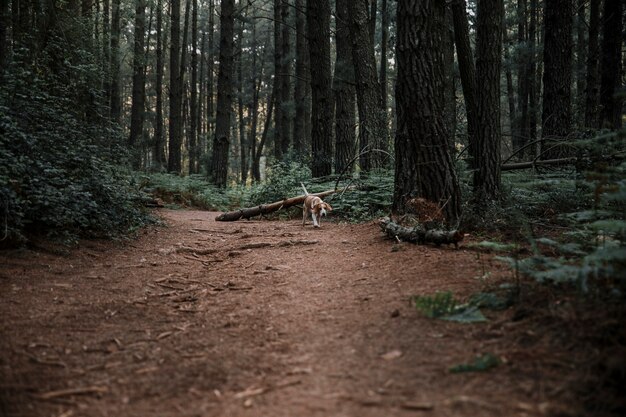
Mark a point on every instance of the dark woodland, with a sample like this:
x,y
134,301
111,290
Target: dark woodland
x,y
496,126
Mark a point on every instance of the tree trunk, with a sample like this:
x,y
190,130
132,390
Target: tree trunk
x,y
116,99
300,144
372,129
467,72
593,59
384,22
221,141
424,166
510,90
611,76
534,86
175,117
488,135
256,172
318,23
193,103
344,92
278,69
557,75
159,137
210,110
449,82
139,85
581,59
5,44
285,78
242,121
524,76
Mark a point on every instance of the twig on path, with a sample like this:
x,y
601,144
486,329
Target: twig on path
x,y
253,392
48,362
72,391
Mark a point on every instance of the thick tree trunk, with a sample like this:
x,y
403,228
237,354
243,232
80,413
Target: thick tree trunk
x,y
372,123
318,23
488,135
139,84
221,141
611,76
344,91
581,59
5,44
593,58
243,160
467,72
175,94
557,75
424,166
300,144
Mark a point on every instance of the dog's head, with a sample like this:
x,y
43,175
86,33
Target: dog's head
x,y
324,207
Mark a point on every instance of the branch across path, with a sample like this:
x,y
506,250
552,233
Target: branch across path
x,y
218,319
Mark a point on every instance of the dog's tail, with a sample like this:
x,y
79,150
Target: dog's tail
x,y
304,188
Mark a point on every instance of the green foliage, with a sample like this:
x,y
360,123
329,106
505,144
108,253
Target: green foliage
x,y
193,191
370,199
62,172
443,306
282,181
590,208
481,363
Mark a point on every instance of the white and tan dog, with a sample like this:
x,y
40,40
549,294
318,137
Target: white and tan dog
x,y
315,206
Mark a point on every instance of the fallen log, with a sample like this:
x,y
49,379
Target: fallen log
x,y
533,164
246,213
420,235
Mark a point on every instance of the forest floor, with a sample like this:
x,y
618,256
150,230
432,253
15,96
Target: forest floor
x,y
265,318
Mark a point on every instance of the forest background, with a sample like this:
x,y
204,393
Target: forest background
x,y
505,115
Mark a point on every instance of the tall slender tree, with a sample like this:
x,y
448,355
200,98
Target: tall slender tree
x,y
467,71
318,24
285,78
486,152
193,100
278,84
302,82
221,140
372,123
158,152
557,75
423,164
592,87
139,83
115,94
174,161
611,75
344,91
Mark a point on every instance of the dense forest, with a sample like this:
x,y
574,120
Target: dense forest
x,y
99,100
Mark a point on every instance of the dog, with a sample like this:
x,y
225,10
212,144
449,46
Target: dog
x,y
315,206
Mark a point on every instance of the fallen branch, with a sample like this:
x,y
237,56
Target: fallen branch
x,y
532,164
249,212
420,235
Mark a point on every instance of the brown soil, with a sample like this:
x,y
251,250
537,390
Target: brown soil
x,y
258,318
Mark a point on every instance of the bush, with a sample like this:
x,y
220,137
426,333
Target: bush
x,y
60,175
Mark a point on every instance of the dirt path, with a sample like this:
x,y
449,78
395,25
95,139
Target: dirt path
x,y
254,318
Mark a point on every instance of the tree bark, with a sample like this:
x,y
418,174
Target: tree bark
x,y
557,75
221,141
193,102
372,124
593,58
159,137
419,234
303,114
139,84
344,91
486,184
243,161
467,72
278,85
175,94
116,99
285,78
4,35
611,76
424,166
318,23
581,59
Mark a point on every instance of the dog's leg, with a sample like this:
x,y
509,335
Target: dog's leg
x,y
304,210
315,220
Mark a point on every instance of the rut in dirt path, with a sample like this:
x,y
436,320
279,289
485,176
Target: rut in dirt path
x,y
254,318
